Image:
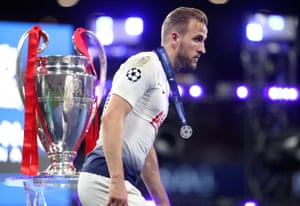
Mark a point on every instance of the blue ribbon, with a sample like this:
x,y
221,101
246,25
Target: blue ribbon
x,y
164,59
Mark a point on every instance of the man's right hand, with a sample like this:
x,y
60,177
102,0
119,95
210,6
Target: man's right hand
x,y
117,193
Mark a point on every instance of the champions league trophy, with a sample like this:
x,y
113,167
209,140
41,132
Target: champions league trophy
x,y
60,94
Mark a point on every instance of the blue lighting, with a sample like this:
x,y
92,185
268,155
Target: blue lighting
x,y
282,93
254,32
104,30
250,203
120,36
242,92
265,27
134,26
195,91
276,22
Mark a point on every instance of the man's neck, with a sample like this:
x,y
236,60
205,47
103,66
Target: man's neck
x,y
171,54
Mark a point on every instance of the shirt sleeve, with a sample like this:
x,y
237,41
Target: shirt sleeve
x,y
133,79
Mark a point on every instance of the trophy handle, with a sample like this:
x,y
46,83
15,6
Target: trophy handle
x,y
81,44
81,47
19,74
102,63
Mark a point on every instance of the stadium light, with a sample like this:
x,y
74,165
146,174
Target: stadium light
x,y
264,27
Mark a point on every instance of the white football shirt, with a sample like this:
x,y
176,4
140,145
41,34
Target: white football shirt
x,y
142,82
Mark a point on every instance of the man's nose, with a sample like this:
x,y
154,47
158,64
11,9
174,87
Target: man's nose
x,y
202,49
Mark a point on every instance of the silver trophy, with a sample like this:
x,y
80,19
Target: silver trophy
x,y
67,100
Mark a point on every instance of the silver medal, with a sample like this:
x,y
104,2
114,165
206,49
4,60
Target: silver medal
x,y
186,131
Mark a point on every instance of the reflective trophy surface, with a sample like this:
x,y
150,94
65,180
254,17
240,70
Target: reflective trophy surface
x,y
65,91
68,91
66,98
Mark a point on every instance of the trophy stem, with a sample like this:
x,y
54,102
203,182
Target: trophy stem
x,y
61,163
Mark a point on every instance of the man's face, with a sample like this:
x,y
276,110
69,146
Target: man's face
x,y
192,45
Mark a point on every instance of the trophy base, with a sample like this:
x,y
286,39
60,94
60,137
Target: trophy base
x,y
61,163
64,169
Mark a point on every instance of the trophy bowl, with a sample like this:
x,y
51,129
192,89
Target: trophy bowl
x,y
66,103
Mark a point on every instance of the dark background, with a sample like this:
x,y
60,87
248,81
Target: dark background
x,y
223,136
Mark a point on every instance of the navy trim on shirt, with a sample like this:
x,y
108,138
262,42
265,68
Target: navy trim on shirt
x,y
95,163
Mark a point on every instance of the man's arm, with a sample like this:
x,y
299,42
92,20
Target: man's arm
x,y
112,123
151,177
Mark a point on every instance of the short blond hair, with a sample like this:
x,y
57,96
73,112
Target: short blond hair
x,y
178,20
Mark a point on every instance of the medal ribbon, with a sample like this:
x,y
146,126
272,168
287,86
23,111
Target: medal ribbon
x,y
164,59
30,161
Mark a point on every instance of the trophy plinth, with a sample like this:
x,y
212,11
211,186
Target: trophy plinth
x,y
47,190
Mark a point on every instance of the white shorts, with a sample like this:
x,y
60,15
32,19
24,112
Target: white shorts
x,y
93,191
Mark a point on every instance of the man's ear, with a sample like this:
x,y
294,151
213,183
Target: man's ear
x,y
174,38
